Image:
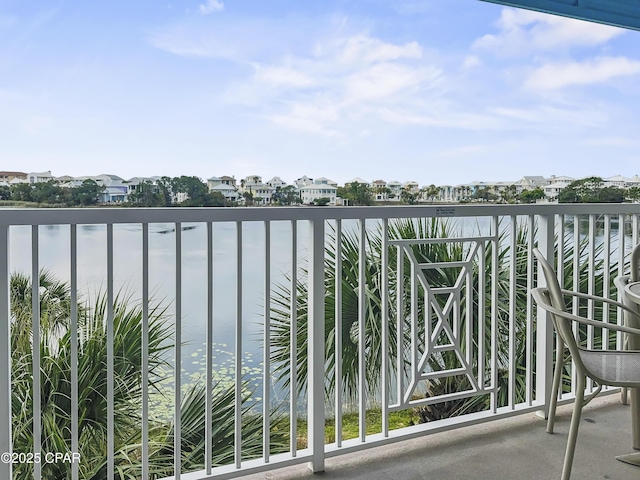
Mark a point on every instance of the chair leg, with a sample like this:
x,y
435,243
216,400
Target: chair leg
x,y
573,431
624,392
557,378
624,396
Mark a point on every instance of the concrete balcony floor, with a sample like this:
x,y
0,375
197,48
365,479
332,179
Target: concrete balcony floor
x,y
511,448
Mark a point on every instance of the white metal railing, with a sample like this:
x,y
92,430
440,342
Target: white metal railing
x,y
468,313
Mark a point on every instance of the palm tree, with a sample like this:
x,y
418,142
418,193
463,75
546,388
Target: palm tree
x,y
424,253
55,367
280,313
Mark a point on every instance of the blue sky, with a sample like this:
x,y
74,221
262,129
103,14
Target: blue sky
x,y
438,91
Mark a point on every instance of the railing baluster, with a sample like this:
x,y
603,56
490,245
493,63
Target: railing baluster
x,y
575,303
35,359
338,334
621,271
561,240
512,311
384,282
315,345
469,314
561,279
591,286
110,358
529,345
177,372
266,394
75,447
208,440
495,245
293,341
544,330
5,352
400,322
145,351
606,278
413,285
362,286
238,349
482,293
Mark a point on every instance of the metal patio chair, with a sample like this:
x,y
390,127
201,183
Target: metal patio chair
x,y
620,283
617,368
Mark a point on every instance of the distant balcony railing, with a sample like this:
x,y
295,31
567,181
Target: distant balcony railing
x,y
371,325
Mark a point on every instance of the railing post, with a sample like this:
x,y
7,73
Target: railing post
x,y
315,345
544,329
5,354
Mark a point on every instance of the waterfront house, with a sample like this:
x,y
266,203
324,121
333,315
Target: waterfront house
x,y
395,189
224,180
411,186
357,180
37,177
276,182
8,176
620,181
229,192
317,190
302,182
380,190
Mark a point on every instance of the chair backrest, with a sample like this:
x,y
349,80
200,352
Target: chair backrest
x,y
635,263
556,299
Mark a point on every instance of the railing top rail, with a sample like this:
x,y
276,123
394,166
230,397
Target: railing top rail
x,y
88,216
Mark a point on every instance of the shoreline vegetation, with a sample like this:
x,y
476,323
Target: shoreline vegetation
x,y
56,360
193,192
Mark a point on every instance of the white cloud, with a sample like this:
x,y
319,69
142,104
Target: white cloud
x,y
524,31
340,85
465,151
441,116
311,117
616,142
471,61
385,80
185,41
362,49
211,6
598,70
282,76
568,116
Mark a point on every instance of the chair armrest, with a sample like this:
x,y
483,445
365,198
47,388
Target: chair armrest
x,y
537,294
601,299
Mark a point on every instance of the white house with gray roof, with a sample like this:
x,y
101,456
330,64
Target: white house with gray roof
x,y
229,192
310,193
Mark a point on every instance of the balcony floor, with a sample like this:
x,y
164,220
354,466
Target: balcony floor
x,y
511,448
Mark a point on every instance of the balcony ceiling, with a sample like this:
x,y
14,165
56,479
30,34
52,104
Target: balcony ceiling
x,y
621,13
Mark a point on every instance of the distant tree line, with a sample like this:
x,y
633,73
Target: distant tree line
x,y
593,190
189,191
586,190
51,193
183,191
507,195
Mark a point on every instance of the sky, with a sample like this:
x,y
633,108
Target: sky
x,y
441,92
